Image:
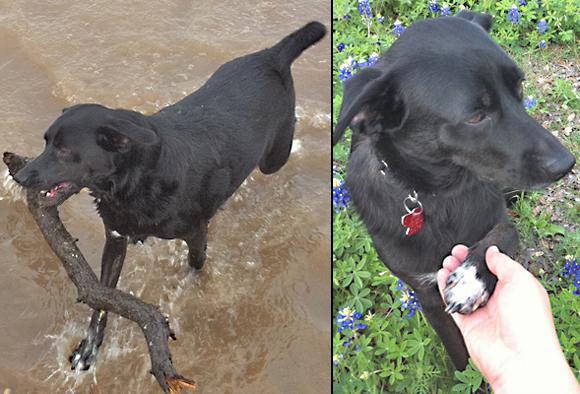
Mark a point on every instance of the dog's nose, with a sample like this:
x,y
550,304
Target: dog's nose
x,y
556,168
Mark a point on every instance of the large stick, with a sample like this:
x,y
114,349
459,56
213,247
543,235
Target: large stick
x,y
154,325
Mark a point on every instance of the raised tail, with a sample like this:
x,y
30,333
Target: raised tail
x,y
293,45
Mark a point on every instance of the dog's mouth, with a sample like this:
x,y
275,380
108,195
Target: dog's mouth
x,y
57,194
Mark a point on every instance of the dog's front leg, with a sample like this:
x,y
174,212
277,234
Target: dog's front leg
x,y
197,245
471,285
434,310
111,264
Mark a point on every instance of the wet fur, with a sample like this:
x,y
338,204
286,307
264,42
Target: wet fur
x,y
167,174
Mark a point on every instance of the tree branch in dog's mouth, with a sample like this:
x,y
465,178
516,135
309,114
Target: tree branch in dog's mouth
x,y
154,325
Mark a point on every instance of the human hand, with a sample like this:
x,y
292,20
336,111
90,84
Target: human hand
x,y
512,340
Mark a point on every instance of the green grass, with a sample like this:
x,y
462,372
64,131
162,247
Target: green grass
x,y
395,353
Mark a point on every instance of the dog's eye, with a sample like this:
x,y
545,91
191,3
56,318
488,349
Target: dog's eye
x,y
477,118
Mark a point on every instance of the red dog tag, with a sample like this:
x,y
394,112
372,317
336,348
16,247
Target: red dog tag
x,y
413,221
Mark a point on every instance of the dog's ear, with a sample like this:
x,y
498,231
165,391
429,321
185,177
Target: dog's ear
x,y
121,134
372,99
66,109
483,20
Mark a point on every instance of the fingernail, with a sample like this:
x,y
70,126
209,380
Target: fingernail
x,y
494,248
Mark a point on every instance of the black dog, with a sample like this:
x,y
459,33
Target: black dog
x,y
439,131
166,175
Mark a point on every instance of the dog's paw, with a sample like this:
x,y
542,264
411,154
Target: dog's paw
x,y
465,290
84,355
197,261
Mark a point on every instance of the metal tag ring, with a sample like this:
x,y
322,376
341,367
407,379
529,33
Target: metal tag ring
x,y
413,199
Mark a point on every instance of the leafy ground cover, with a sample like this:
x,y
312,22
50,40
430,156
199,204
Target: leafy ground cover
x,y
382,342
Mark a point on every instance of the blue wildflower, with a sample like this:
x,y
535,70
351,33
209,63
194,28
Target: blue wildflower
x,y
398,28
543,44
346,17
572,271
542,26
380,18
445,10
344,74
434,7
529,103
373,58
347,318
514,15
340,47
523,3
364,7
400,285
409,301
340,195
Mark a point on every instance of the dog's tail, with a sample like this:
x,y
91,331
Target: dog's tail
x,y
293,45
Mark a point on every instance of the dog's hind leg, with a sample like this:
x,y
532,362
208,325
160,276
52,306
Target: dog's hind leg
x,y
197,244
434,310
279,151
111,264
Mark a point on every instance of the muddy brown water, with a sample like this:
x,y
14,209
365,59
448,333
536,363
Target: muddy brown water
x,y
257,319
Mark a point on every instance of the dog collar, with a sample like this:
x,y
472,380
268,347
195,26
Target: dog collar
x,y
414,219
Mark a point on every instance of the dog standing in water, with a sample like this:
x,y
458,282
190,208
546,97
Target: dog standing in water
x,y
165,175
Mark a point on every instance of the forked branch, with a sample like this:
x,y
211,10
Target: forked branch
x,y
154,325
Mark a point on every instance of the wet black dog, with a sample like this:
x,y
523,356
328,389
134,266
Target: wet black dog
x,y
165,175
439,131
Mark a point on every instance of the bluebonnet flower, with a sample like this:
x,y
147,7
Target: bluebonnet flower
x,y
543,44
380,18
347,318
409,301
340,47
373,58
346,17
348,68
344,74
400,285
514,15
523,3
364,7
445,10
529,102
572,271
434,7
542,26
398,28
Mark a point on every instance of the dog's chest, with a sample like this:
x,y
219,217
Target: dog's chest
x,y
139,221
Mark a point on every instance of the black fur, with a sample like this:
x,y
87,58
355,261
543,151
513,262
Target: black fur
x,y
166,175
443,109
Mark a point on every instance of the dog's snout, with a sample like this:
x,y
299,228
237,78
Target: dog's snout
x,y
26,177
557,167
